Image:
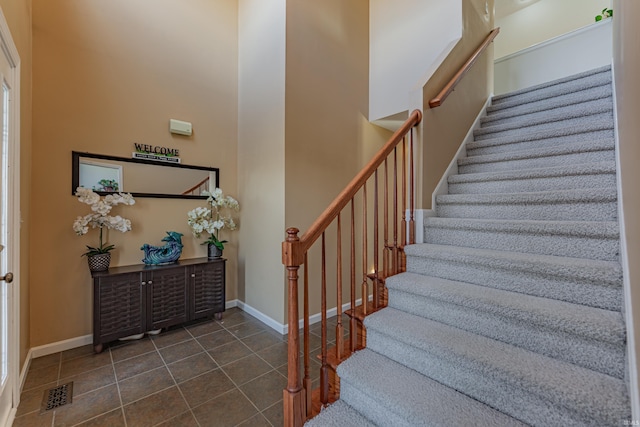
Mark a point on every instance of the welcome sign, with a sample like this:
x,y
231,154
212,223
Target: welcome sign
x,y
156,153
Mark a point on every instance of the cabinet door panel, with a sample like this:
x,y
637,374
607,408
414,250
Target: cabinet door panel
x,y
167,297
119,306
208,289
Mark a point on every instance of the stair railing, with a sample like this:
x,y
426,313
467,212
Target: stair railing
x,y
197,189
384,192
451,85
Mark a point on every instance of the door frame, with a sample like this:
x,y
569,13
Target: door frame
x,y
9,49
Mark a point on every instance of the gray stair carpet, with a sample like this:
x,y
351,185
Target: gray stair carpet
x,y
510,313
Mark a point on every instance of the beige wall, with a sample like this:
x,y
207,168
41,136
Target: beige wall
x,y
627,91
327,86
106,75
18,16
261,171
445,127
543,20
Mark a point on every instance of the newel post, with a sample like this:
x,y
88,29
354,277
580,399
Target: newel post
x,y
294,398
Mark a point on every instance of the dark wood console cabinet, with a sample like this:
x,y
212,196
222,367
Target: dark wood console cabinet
x,y
133,299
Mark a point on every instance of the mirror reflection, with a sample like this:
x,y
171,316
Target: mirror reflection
x,y
141,178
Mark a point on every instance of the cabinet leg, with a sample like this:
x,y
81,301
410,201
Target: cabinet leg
x,y
218,316
97,348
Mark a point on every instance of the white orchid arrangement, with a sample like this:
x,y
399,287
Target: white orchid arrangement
x,y
99,216
213,218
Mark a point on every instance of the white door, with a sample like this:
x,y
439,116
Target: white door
x,y
9,224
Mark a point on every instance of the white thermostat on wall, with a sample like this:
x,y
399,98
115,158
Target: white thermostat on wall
x,y
179,127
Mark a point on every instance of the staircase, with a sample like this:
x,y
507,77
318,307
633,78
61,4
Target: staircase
x,y
510,313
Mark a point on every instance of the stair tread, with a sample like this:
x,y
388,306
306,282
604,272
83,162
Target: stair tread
x,y
339,414
600,229
593,395
534,197
558,126
547,116
419,400
503,112
589,78
604,273
593,323
564,131
534,153
605,167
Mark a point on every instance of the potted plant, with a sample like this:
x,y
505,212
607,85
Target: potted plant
x,y
99,257
213,218
606,13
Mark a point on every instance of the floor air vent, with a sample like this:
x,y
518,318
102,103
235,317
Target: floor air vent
x,y
57,396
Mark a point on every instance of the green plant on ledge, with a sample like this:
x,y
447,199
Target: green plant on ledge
x,y
606,13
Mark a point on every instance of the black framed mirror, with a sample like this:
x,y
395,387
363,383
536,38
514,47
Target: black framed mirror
x,y
142,178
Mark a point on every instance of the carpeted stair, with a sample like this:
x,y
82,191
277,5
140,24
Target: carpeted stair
x,y
510,313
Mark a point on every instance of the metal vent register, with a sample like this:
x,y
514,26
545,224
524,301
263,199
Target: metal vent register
x,y
57,396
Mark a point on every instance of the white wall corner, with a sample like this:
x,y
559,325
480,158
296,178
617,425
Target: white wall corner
x,y
270,322
627,309
452,169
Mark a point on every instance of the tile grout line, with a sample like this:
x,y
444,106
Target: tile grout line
x,y
115,375
234,383
177,386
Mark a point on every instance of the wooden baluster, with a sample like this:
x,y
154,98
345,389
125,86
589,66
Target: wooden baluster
x,y
353,332
376,284
394,252
403,222
294,400
365,283
324,371
386,251
339,327
307,377
412,209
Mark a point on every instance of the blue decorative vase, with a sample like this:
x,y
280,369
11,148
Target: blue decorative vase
x,y
166,254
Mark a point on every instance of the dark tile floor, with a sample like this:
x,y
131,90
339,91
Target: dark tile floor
x,y
214,373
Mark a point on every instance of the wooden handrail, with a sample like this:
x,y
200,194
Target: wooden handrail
x,y
297,402
449,87
329,214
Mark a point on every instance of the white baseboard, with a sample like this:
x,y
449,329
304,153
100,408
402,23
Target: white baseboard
x,y
45,350
273,324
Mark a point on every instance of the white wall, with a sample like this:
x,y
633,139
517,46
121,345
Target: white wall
x,y
261,138
405,37
580,50
543,20
626,34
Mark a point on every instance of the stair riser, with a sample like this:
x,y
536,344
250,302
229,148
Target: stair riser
x,y
484,134
543,339
497,112
560,245
487,387
535,184
530,282
513,121
538,162
376,411
552,91
558,211
547,140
